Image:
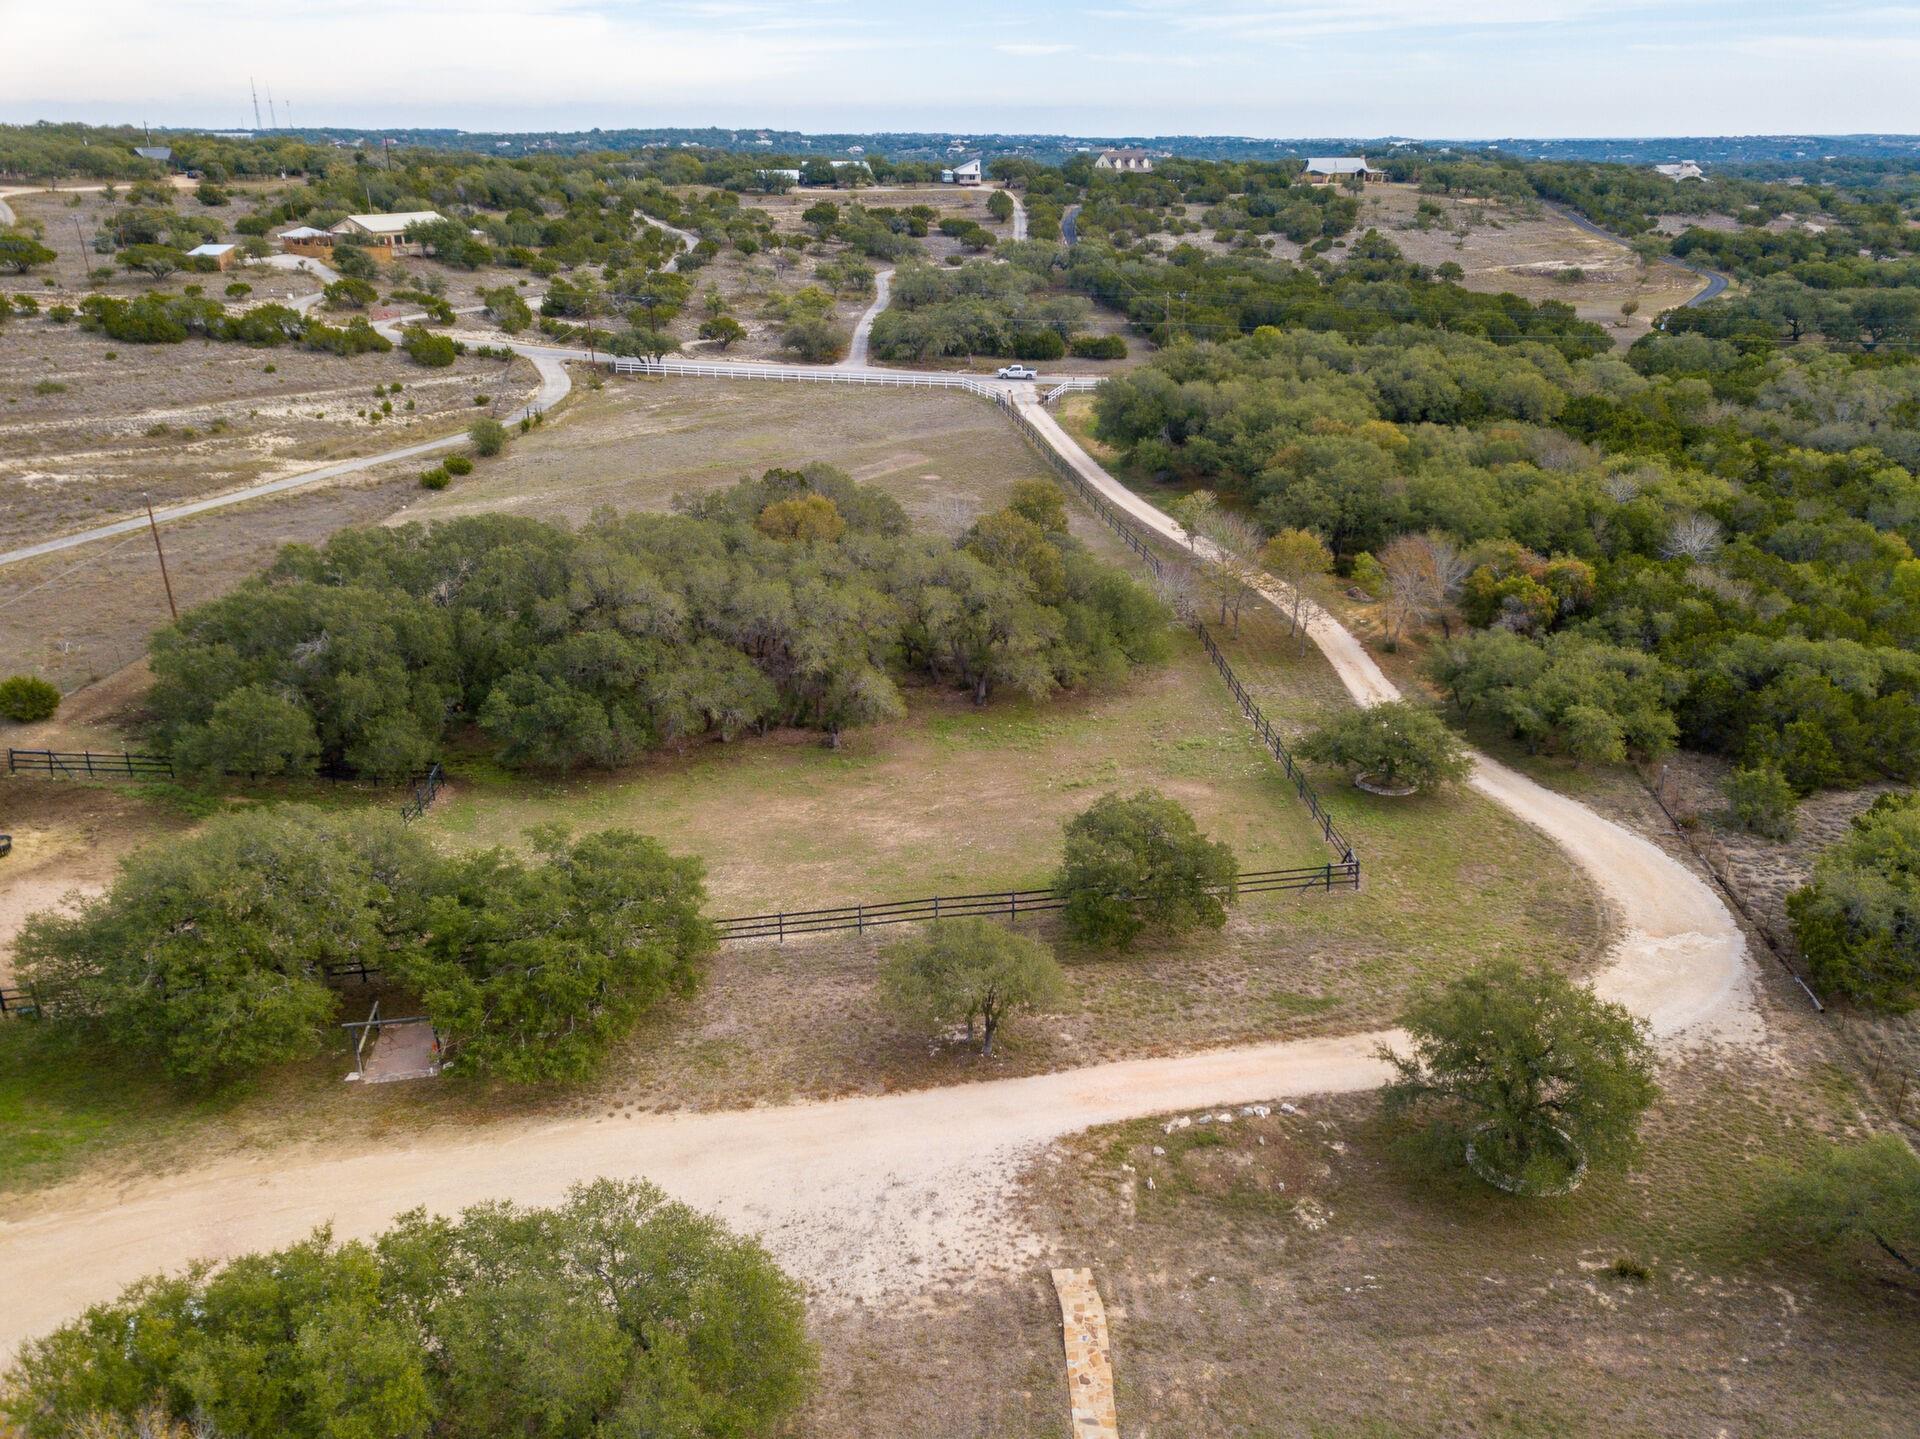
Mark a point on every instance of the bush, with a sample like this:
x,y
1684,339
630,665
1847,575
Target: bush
x,y
489,436
1395,744
457,465
972,972
1858,922
424,347
616,1313
814,338
347,293
1534,1070
435,478
1141,862
1097,347
1762,801
28,699
1037,345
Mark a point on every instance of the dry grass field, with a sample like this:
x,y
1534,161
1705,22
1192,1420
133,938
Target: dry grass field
x,y
88,426
1531,252
1311,1274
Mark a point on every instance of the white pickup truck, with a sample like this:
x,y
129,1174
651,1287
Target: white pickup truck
x,y
1017,372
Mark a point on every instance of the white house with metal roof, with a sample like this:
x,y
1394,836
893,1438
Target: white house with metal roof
x,y
1332,169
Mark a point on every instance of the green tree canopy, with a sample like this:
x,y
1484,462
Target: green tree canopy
x,y
972,972
1530,1068
209,953
1861,1198
529,971
1395,744
615,1315
1140,862
1858,921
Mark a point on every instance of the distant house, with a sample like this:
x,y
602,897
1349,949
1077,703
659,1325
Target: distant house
x,y
792,177
1133,161
1331,170
1683,170
305,240
223,256
967,172
851,164
386,233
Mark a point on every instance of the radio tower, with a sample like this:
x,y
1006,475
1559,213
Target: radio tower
x,y
271,114
256,103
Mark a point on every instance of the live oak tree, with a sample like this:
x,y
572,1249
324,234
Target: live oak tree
x,y
1140,862
973,972
530,971
209,954
27,699
1534,1071
1395,744
615,1314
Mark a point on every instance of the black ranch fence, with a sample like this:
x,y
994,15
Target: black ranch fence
x,y
1005,904
1137,542
85,764
792,924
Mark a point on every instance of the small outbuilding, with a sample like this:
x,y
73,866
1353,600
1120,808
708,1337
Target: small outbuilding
x,y
1137,162
224,257
1682,170
1332,169
967,172
162,153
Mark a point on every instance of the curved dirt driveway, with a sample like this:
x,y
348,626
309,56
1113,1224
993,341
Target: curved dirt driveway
x,y
866,1197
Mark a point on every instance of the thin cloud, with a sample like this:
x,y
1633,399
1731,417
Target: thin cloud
x,y
1032,47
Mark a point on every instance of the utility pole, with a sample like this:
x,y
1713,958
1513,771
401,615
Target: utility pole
x,y
272,114
154,525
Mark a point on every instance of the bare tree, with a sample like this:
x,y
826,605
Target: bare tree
x,y
1693,537
1414,588
1237,542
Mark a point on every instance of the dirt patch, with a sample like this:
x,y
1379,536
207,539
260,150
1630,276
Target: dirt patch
x,y
1527,250
89,427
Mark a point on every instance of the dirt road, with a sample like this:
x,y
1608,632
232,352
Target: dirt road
x,y
857,348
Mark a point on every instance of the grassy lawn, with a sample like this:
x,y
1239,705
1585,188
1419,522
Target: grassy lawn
x,y
1314,1275
952,799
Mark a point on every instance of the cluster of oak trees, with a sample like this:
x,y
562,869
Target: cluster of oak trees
x,y
616,1314
799,599
1639,551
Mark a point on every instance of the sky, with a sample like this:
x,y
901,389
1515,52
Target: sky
x,y
1542,68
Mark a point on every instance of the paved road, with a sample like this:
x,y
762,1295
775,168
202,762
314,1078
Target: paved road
x,y
1019,215
1716,282
866,1198
1070,224
857,347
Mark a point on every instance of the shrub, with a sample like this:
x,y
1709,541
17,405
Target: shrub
x,y
482,401
1394,744
435,478
1858,922
436,352
457,465
239,290
972,972
1762,801
1037,345
1523,1063
1098,347
28,699
347,293
489,436
1141,862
